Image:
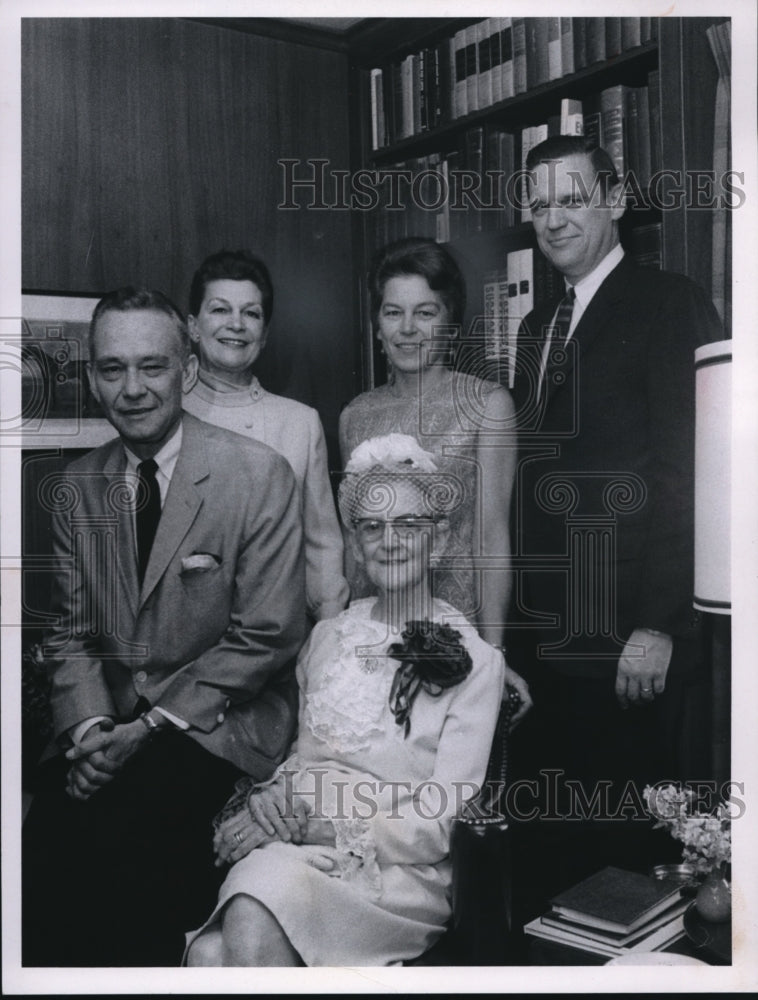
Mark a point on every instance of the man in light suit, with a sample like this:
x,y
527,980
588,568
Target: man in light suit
x,y
180,603
605,496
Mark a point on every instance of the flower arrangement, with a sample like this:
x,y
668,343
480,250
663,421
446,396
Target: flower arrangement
x,y
707,837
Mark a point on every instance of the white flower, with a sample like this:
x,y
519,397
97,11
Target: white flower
x,y
390,451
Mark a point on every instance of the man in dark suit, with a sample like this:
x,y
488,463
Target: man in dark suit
x,y
180,602
605,496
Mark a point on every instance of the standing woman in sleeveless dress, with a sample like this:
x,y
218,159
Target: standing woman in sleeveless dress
x,y
417,302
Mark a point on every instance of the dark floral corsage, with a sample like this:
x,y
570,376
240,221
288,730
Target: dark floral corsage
x,y
432,657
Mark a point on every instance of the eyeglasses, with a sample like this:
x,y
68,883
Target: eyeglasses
x,y
371,529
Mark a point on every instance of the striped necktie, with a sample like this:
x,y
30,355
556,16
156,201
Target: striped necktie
x,y
562,321
557,332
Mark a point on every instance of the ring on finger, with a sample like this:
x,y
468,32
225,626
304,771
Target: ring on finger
x,y
238,837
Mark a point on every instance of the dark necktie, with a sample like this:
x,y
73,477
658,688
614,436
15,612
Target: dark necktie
x,y
557,334
148,512
563,316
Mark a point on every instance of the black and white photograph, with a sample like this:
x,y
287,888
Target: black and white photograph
x,y
378,534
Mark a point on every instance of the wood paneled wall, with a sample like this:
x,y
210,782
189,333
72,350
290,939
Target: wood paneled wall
x,y
149,143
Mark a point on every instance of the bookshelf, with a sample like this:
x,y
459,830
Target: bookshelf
x,y
406,123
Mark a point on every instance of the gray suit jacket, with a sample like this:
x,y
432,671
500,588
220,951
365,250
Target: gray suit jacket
x,y
211,633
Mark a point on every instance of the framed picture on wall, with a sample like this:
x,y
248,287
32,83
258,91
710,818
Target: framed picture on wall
x,y
57,406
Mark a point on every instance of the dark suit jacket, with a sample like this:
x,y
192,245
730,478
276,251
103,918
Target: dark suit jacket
x,y
212,643
605,487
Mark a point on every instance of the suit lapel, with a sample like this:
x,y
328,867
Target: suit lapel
x,y
183,501
117,499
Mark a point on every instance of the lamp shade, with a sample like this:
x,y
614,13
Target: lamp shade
x,y
713,425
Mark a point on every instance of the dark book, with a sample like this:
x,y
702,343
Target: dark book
x,y
484,58
644,154
631,137
593,120
472,68
554,52
654,117
474,161
646,29
580,42
631,32
615,900
567,45
665,919
612,106
519,55
612,37
460,95
445,77
537,64
595,40
506,54
496,59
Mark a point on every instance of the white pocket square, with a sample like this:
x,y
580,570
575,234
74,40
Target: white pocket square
x,y
199,562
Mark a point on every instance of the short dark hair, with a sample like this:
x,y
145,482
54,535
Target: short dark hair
x,y
425,258
560,147
232,265
131,299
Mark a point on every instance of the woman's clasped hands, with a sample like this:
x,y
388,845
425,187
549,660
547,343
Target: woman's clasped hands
x,y
273,812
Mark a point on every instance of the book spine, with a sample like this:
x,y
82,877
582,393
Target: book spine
x,y
631,32
474,146
643,137
654,117
593,120
506,55
460,101
507,157
580,42
554,49
612,37
418,88
514,321
502,325
496,59
491,338
567,45
631,132
595,40
406,84
472,69
377,109
484,57
519,55
572,120
612,108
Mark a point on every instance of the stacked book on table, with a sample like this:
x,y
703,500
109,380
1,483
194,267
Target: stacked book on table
x,y
614,912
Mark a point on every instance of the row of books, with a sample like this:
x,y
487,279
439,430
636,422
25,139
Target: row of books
x,y
488,62
479,187
508,296
613,913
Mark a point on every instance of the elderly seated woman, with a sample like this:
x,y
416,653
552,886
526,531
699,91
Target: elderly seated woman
x,y
342,858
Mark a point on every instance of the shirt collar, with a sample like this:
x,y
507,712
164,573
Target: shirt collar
x,y
165,459
586,288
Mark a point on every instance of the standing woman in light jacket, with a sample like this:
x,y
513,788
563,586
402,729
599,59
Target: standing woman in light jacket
x,y
230,305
